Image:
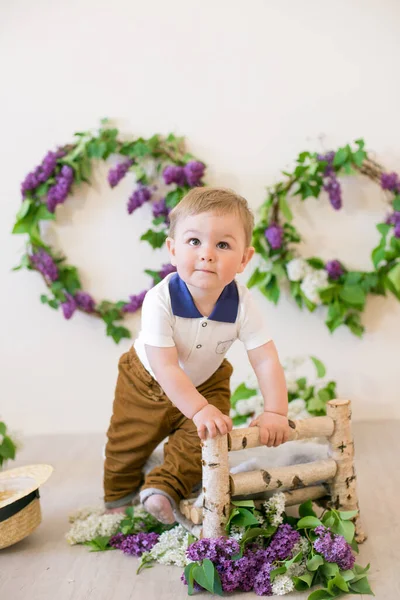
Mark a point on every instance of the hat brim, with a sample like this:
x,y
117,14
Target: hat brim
x,y
21,481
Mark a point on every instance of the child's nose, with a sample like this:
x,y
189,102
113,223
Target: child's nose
x,y
207,254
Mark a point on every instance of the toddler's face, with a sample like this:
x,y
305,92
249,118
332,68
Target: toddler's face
x,y
209,250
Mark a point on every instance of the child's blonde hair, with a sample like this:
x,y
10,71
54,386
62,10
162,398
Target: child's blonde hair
x,y
213,199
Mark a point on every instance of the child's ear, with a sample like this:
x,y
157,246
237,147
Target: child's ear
x,y
170,243
247,256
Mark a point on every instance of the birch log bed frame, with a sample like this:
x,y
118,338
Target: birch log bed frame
x,y
333,479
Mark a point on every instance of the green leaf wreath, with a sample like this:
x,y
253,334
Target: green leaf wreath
x,y
312,281
70,166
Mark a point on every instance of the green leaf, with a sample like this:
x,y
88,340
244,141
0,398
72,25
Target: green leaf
x,y
306,509
347,530
3,428
383,229
244,518
353,294
24,209
173,198
99,544
330,569
258,278
396,203
156,239
315,263
322,594
242,392
271,290
321,371
308,522
341,157
43,214
189,576
243,503
255,532
303,582
361,587
358,157
346,515
315,562
394,276
339,582
278,571
284,207
7,448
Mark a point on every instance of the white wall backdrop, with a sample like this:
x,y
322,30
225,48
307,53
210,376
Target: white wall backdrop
x,y
250,84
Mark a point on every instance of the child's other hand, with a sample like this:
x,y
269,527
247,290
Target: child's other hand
x,y
274,428
212,421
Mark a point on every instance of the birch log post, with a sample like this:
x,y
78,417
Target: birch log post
x,y
343,486
216,500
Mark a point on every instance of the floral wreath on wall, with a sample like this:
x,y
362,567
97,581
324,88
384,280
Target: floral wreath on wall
x,y
313,281
63,171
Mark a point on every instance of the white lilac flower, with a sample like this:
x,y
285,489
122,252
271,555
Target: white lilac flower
x,y
297,269
282,585
312,283
250,405
274,509
84,513
291,384
299,568
297,409
171,547
84,530
236,532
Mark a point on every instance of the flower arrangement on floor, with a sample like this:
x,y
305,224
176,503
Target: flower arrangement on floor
x,y
265,550
65,170
306,398
312,281
8,445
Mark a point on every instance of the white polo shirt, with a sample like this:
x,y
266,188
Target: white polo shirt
x,y
171,318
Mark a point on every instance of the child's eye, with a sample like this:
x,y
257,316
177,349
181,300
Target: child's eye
x,y
194,241
223,245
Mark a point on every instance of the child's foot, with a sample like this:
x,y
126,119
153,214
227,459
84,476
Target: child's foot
x,y
119,509
160,507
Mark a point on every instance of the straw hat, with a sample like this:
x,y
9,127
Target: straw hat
x,y
20,512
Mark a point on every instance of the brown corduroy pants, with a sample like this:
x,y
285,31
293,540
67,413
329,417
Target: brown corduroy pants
x,y
142,417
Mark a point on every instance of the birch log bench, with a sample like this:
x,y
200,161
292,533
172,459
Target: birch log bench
x,y
334,478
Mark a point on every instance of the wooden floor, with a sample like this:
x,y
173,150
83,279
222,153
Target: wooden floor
x,y
45,567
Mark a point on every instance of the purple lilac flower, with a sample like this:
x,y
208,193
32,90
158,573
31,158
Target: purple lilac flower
x,y
397,230
166,270
334,548
194,171
282,543
42,172
141,195
117,173
69,306
212,548
274,235
135,302
85,301
43,262
58,192
160,209
262,582
331,185
334,269
390,181
174,174
136,543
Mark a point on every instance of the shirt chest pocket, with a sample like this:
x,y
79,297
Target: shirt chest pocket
x,y
223,347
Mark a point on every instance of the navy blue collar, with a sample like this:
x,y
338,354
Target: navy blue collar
x,y
225,310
